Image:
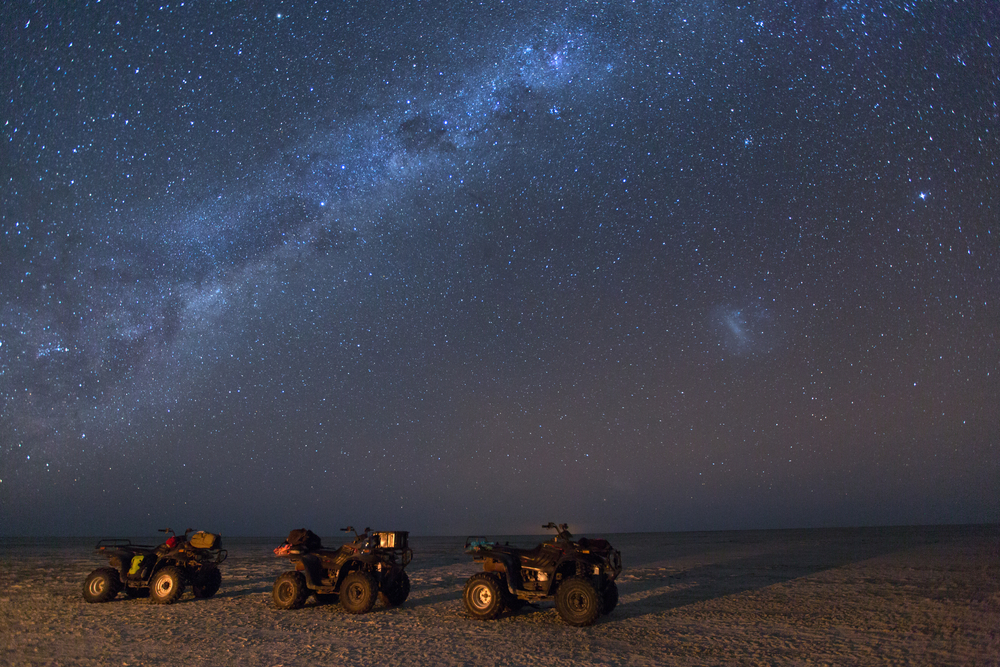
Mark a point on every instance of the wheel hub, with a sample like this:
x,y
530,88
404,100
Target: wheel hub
x,y
578,602
482,597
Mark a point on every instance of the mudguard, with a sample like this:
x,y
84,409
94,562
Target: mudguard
x,y
312,570
511,569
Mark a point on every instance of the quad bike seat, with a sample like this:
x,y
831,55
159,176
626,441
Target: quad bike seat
x,y
137,550
329,554
542,557
124,548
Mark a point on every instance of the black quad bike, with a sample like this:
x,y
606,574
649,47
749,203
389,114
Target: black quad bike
x,y
579,574
369,567
159,573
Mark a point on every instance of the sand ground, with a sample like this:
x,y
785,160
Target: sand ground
x,y
927,596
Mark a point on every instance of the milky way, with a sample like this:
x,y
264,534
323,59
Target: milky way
x,y
635,266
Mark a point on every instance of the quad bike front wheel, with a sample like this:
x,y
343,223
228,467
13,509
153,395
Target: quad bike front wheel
x,y
206,583
101,585
358,593
396,591
578,602
290,591
482,597
167,585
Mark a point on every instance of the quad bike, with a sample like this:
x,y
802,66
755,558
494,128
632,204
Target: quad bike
x,y
160,573
580,575
369,567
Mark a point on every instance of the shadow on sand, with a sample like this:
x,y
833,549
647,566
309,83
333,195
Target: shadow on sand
x,y
434,599
762,558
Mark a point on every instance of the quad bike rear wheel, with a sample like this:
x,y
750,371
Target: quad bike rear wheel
x,y
483,596
101,585
358,592
290,591
578,602
396,591
167,585
206,583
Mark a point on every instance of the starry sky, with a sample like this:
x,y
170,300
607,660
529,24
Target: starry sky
x,y
472,267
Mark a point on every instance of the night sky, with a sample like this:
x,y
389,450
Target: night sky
x,y
454,267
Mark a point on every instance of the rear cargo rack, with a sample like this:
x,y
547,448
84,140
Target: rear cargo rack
x,y
113,542
118,542
477,542
396,541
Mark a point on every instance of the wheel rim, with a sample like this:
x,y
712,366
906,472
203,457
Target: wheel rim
x,y
285,592
355,592
578,602
97,585
482,596
163,586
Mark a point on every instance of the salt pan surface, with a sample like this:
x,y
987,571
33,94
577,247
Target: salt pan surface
x,y
920,595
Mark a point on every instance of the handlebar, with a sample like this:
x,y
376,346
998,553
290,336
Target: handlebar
x,y
171,531
562,530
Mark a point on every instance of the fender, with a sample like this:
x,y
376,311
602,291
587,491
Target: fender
x,y
350,565
511,569
311,570
570,567
165,562
367,558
